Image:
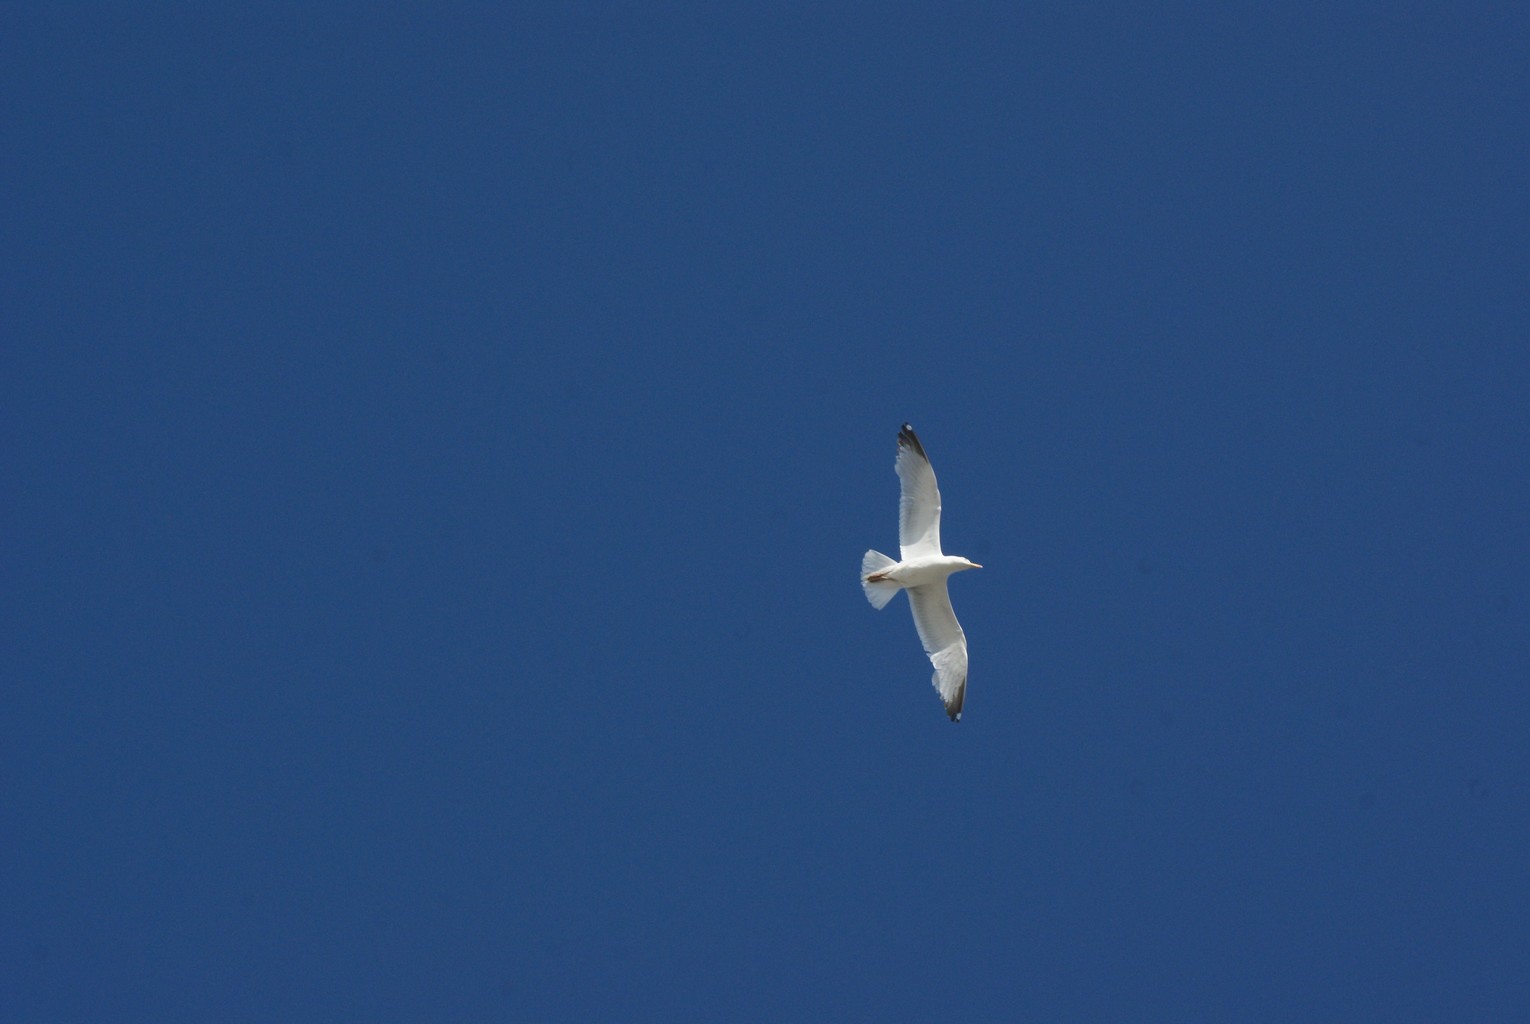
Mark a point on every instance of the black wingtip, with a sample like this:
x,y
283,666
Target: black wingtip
x,y
954,709
908,439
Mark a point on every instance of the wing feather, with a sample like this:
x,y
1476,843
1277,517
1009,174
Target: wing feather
x,y
919,505
943,641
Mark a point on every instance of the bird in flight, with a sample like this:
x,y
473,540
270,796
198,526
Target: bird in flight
x,y
922,572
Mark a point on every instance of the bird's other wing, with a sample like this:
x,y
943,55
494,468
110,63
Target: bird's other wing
x,y
944,642
919,506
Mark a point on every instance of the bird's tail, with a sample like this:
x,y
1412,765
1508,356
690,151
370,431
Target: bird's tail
x,y
880,591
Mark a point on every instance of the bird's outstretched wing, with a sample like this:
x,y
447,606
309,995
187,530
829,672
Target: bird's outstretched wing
x,y
943,641
919,506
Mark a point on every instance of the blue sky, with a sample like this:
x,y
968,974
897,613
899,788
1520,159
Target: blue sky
x,y
441,443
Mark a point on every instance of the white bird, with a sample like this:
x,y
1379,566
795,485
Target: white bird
x,y
923,572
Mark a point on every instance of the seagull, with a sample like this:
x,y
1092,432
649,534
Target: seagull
x,y
923,572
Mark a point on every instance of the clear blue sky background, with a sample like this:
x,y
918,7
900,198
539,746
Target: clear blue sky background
x,y
439,445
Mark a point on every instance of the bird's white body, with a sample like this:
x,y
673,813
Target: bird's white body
x,y
922,572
